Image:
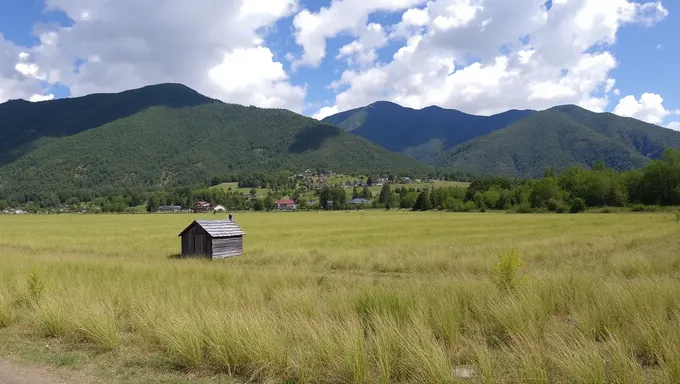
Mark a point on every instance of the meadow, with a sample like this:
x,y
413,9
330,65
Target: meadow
x,y
349,297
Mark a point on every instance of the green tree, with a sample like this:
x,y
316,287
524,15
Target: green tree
x,y
268,202
543,191
258,205
366,193
355,193
408,200
152,204
423,202
385,194
3,205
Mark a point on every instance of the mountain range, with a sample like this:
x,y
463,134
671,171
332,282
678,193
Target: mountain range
x,y
516,143
169,134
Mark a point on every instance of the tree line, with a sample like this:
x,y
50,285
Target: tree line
x,y
573,190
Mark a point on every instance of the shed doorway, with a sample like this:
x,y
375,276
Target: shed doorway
x,y
199,243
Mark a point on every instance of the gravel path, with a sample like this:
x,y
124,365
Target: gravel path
x,y
11,373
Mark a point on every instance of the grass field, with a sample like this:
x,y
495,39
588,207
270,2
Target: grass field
x,y
233,186
349,297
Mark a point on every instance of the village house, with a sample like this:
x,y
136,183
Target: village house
x,y
358,201
169,208
285,205
215,239
202,206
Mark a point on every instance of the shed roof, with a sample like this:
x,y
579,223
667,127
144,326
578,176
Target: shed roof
x,y
217,228
285,201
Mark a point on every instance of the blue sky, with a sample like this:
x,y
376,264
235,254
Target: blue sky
x,y
480,57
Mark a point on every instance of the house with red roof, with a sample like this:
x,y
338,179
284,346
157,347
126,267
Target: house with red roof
x,y
285,205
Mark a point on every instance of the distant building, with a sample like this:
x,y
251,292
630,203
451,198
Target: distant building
x,y
358,201
216,239
169,208
202,206
285,205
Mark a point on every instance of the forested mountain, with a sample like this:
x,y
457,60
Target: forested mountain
x,y
422,134
163,135
561,137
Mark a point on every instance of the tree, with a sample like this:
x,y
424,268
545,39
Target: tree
x,y
369,181
599,166
385,194
258,205
152,204
268,202
423,202
355,193
366,193
3,205
543,191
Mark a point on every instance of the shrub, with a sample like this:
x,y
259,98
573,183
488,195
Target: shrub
x,y
562,208
36,286
677,215
523,208
505,271
552,205
578,205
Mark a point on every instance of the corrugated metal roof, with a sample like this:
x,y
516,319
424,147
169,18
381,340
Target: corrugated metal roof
x,y
218,228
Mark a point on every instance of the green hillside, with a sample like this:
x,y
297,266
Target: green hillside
x,y
559,138
163,135
422,134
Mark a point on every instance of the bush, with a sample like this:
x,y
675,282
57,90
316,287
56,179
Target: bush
x,y
562,208
36,286
677,216
645,208
523,208
505,271
552,205
578,205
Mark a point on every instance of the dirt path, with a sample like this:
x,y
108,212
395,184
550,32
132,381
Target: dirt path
x,y
11,373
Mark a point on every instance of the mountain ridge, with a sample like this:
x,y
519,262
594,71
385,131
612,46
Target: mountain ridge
x,y
167,134
561,137
420,133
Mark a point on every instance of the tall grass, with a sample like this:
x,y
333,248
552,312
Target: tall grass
x,y
361,297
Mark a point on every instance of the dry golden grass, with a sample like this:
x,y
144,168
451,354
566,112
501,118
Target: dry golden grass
x,y
361,297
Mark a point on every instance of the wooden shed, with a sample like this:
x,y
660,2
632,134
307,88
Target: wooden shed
x,y
216,239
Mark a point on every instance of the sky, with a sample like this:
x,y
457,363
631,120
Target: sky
x,y
319,57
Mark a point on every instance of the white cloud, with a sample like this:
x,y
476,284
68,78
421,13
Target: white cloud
x,y
648,108
312,29
674,125
37,98
129,43
550,57
417,17
17,75
362,51
325,112
250,76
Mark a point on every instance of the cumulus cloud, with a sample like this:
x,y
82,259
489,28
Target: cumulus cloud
x,y
674,125
312,29
363,50
214,46
18,75
648,108
523,55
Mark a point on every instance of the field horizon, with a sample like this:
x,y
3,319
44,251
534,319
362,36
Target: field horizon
x,y
348,297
